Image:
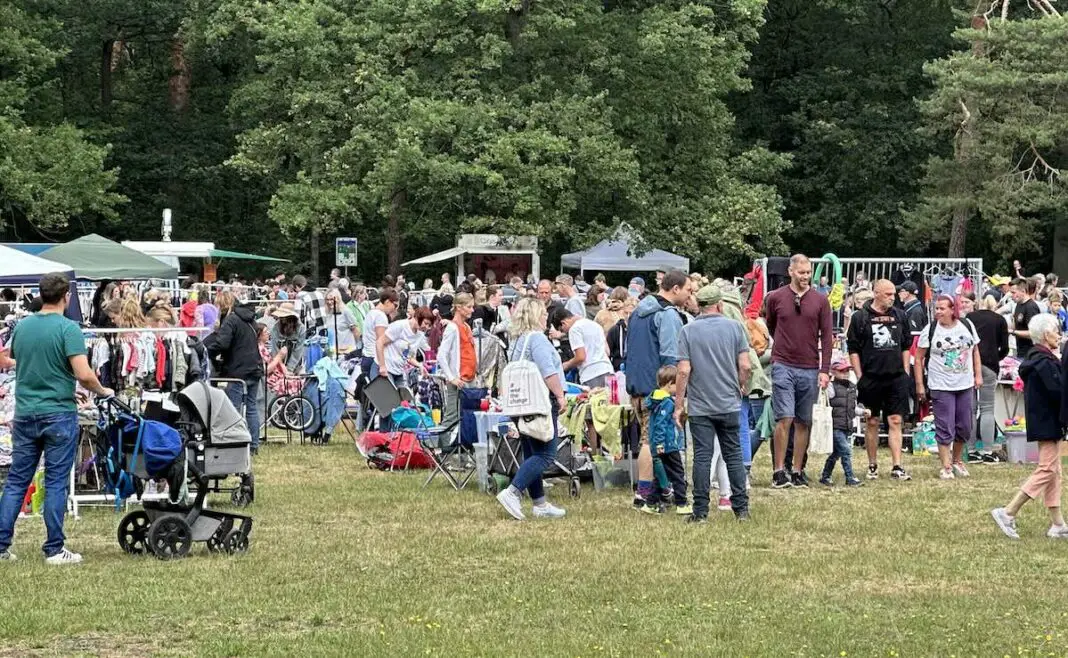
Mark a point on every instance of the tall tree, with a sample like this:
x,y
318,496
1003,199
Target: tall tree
x,y
1002,101
48,171
834,84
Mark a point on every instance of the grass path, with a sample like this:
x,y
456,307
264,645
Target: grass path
x,y
346,561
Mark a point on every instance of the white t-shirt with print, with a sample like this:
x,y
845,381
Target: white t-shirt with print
x,y
403,343
951,364
589,335
374,318
342,323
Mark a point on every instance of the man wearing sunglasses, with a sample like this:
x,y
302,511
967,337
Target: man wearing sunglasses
x,y
799,320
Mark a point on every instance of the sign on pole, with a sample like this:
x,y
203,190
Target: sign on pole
x,y
345,252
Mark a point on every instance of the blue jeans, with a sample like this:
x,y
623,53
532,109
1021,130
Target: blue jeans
x,y
248,397
755,411
705,430
56,436
537,456
745,433
843,449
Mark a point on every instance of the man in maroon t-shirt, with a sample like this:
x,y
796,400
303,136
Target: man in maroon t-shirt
x,y
799,320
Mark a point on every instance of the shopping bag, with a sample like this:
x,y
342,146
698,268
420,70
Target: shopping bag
x,y
821,439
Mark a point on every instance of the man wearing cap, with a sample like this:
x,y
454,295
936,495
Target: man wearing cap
x,y
636,287
713,370
908,293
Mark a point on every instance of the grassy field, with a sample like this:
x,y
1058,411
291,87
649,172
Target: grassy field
x,y
346,561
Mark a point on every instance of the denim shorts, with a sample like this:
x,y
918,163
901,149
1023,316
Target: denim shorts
x,y
793,392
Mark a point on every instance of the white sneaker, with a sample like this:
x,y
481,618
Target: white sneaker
x,y
959,470
511,503
946,474
1005,522
548,511
7,556
64,557
1057,532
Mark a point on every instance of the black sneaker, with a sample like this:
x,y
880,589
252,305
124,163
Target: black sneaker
x,y
826,481
779,480
696,519
853,482
993,458
973,457
799,479
743,517
898,473
638,503
873,471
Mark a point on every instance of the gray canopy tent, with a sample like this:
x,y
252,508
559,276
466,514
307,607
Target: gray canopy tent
x,y
618,256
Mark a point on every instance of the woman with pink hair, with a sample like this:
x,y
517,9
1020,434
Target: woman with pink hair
x,y
948,348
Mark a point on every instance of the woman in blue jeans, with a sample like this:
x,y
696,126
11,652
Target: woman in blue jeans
x,y
528,341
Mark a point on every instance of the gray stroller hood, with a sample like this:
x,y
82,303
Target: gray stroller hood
x,y
218,416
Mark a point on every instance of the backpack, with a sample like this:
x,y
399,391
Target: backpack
x,y
523,391
930,339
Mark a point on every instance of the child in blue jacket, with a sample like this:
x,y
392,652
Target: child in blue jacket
x,y
666,442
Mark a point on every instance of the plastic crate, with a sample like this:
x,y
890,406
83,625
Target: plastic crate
x,y
1019,450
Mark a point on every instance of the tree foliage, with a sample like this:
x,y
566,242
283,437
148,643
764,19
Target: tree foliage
x,y
425,118
1002,101
834,84
48,171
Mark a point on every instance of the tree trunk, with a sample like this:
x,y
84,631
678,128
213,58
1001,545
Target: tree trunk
x,y
107,51
180,75
315,254
959,231
393,231
516,20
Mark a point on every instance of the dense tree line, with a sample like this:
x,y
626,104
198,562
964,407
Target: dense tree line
x,y
723,129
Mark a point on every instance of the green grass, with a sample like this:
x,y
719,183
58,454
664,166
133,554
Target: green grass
x,y
346,561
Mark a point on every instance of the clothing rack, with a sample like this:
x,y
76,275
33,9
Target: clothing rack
x,y
154,330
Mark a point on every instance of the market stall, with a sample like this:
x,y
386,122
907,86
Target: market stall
x,y
619,256
19,269
480,254
95,258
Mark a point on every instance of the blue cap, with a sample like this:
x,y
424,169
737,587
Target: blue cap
x,y
640,281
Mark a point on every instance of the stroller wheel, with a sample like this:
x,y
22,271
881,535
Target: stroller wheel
x,y
170,537
574,488
497,483
133,531
491,485
235,542
240,497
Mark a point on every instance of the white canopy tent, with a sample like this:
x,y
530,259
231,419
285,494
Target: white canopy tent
x,y
19,268
617,256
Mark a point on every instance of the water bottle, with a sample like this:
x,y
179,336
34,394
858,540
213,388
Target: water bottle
x,y
613,389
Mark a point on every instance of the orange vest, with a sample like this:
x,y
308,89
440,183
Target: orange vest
x,y
468,362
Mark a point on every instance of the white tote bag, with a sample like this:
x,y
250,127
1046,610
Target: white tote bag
x,y
821,438
523,391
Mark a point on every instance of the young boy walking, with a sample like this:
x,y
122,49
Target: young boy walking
x,y
665,443
843,398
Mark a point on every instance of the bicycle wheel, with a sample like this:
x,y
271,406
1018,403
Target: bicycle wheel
x,y
275,410
298,413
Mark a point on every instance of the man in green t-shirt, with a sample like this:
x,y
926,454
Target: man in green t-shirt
x,y
49,354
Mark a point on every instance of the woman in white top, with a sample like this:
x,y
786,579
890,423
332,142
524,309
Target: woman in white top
x,y
398,346
954,372
374,326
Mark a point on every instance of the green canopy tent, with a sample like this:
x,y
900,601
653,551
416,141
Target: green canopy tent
x,y
96,258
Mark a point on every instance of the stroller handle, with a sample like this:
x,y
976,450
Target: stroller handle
x,y
113,401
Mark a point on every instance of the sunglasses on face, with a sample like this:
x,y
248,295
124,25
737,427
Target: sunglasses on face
x,y
797,303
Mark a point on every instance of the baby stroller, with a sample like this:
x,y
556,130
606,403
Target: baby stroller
x,y
134,450
207,409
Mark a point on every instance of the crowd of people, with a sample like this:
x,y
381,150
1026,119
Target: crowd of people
x,y
700,368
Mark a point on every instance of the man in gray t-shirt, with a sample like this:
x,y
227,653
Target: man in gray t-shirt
x,y
713,369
